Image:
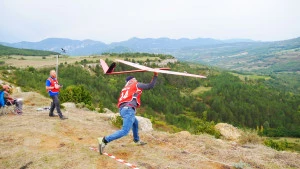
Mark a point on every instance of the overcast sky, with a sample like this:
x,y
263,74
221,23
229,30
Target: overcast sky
x,y
118,20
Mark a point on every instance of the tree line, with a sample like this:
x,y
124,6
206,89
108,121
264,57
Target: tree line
x,y
6,51
138,54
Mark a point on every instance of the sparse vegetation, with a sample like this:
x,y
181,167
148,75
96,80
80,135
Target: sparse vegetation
x,y
240,165
250,136
283,143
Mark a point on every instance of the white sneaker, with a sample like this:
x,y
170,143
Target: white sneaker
x,y
140,143
101,145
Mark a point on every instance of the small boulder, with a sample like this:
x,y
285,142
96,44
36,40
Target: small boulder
x,y
106,110
228,131
144,124
69,105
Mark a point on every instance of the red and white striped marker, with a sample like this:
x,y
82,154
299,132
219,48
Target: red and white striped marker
x,y
117,159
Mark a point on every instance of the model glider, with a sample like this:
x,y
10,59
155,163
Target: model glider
x,y
63,50
110,70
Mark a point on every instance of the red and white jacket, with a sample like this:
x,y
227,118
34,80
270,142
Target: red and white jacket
x,y
52,84
129,92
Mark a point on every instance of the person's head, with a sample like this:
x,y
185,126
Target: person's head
x,y
128,78
6,87
53,73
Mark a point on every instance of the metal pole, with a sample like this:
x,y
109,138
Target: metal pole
x,y
57,66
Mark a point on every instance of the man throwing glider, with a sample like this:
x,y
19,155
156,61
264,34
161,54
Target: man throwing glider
x,y
129,100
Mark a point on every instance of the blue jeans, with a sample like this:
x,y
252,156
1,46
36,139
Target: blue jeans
x,y
129,121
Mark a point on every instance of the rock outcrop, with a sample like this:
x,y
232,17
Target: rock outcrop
x,y
228,131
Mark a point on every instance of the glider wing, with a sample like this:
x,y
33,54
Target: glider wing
x,y
145,68
110,70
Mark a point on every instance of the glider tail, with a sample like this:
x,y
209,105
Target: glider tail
x,y
105,67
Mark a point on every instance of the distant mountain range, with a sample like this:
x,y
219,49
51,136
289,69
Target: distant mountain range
x,y
72,47
235,54
90,47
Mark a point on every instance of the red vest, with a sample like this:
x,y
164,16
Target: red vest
x,y
127,94
52,84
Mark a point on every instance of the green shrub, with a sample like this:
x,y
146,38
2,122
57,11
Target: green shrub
x,y
90,107
193,125
80,105
5,72
100,107
277,145
76,94
117,121
163,126
31,69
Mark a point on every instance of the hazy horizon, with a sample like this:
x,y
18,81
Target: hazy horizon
x,y
141,38
115,21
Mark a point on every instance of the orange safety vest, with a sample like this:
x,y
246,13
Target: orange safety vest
x,y
52,84
128,92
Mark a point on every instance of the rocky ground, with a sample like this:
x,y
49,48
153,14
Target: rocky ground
x,y
35,140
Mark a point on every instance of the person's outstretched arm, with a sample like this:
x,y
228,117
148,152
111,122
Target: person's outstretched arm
x,y
147,86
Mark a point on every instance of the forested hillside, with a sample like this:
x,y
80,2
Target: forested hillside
x,y
253,103
6,51
183,103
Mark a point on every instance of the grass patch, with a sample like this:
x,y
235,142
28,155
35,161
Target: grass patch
x,y
251,77
200,90
292,144
163,126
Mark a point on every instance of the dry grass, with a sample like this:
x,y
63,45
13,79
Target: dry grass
x,y
250,136
251,77
35,140
38,61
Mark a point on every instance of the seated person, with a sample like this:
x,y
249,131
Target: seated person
x,y
9,100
